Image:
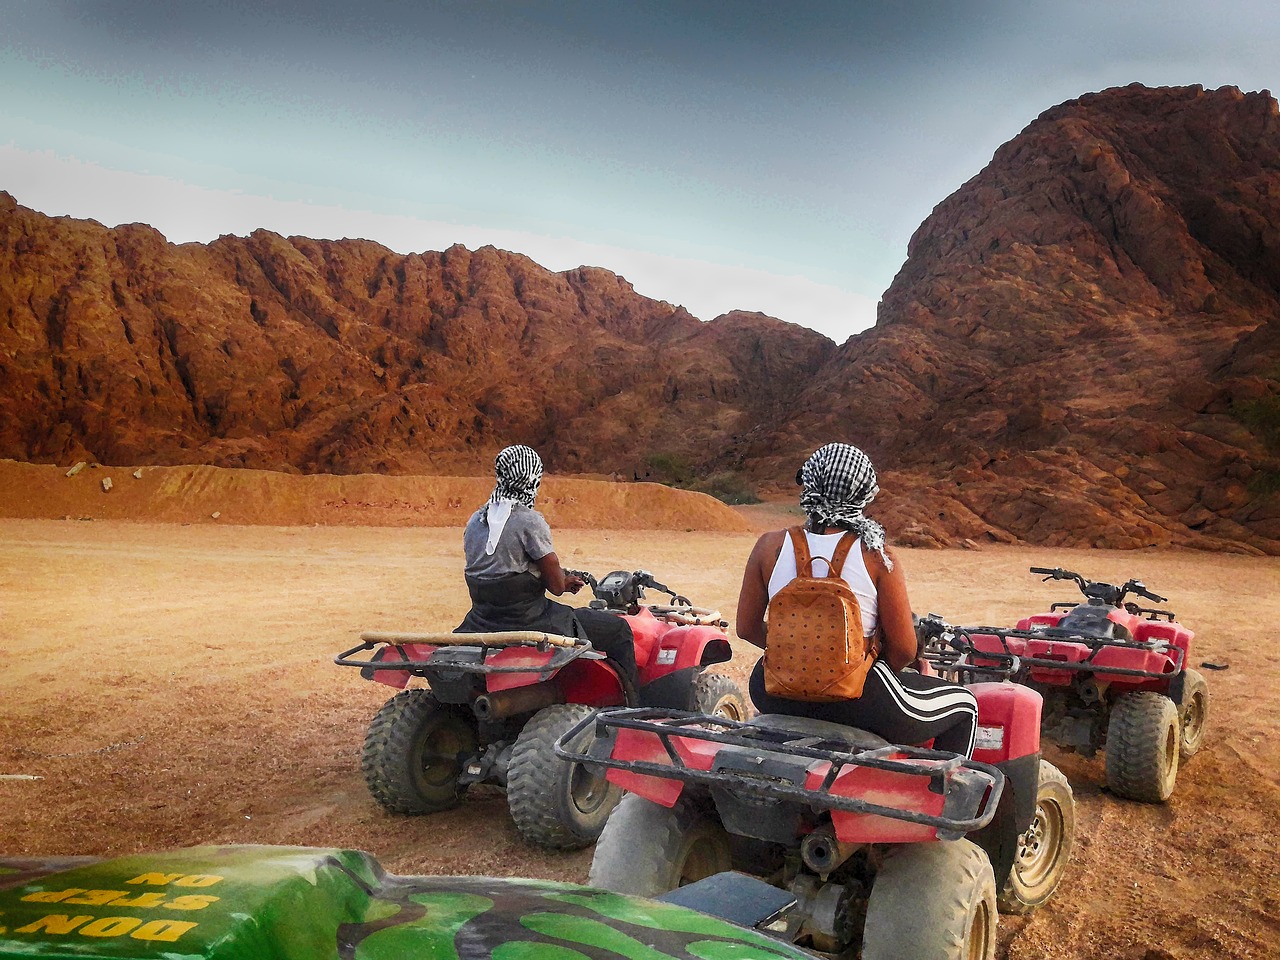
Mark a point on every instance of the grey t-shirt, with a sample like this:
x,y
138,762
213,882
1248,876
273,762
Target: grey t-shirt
x,y
525,539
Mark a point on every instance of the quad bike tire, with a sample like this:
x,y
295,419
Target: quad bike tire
x,y
718,696
647,849
1143,738
934,900
1044,849
414,752
555,803
1193,714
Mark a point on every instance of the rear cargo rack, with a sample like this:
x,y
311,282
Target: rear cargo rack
x,y
974,783
566,649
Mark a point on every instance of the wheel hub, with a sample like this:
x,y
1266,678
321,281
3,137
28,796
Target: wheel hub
x,y
1038,845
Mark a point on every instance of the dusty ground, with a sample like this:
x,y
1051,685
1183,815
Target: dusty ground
x,y
173,685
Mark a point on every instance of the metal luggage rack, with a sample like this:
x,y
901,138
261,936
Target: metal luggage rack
x,y
1096,645
567,649
1149,612
665,724
951,660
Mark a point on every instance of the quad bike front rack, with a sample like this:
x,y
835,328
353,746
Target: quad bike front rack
x,y
1151,613
567,649
1095,644
950,659
978,784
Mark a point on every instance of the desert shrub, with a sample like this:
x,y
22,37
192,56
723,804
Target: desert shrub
x,y
1263,417
670,468
727,487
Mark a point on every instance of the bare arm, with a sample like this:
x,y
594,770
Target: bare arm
x,y
553,576
894,610
753,598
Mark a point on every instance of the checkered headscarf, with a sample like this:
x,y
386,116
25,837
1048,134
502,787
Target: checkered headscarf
x,y
839,481
519,473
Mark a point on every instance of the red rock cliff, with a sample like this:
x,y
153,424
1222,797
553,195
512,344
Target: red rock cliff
x,y
1083,347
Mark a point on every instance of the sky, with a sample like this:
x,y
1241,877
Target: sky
x,y
770,156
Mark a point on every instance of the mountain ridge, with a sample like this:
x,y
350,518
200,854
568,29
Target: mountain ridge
x,y
1082,348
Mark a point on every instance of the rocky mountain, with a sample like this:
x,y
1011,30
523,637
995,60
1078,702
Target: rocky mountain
x,y
1082,348
343,357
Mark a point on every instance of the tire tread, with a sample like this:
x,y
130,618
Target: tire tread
x,y
1136,735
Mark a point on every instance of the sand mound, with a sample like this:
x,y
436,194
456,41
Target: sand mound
x,y
193,494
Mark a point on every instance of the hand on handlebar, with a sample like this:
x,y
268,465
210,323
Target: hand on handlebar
x,y
573,583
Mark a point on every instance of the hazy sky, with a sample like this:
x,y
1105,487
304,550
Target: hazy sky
x,y
730,155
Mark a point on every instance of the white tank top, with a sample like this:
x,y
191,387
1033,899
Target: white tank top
x,y
854,572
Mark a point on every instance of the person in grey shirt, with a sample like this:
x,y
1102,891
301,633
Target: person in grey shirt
x,y
511,566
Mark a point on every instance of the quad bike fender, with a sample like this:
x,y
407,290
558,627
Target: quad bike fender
x,y
640,745
1161,664
886,787
683,647
675,691
1008,721
536,660
592,682
397,678
647,631
1014,813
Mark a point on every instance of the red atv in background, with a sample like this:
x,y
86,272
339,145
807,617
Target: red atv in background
x,y
497,702
1113,675
889,852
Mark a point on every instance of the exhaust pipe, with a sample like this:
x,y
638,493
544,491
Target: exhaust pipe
x,y
507,703
822,851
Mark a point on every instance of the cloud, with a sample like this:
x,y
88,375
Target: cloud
x,y
60,186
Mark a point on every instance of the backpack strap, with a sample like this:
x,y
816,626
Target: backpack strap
x,y
800,545
836,564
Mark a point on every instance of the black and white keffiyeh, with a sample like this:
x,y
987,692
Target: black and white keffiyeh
x,y
839,481
519,474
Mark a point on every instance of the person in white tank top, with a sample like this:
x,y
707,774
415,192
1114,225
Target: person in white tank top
x,y
838,482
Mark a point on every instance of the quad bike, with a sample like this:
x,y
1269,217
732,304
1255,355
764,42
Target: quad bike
x,y
1114,676
497,702
890,852
300,903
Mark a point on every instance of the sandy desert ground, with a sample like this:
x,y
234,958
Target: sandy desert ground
x,y
173,685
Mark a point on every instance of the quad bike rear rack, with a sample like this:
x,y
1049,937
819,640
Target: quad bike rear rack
x,y
1087,665
567,649
980,785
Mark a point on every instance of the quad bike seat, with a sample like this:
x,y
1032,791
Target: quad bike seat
x,y
851,736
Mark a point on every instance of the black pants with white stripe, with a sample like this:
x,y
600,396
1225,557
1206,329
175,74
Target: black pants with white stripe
x,y
903,708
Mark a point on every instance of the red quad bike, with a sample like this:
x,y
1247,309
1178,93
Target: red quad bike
x,y
497,702
888,852
1113,674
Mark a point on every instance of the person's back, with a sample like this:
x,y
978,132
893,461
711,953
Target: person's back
x,y
821,645
904,707
511,566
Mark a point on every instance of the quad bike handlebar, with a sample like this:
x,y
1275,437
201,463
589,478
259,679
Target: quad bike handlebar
x,y
1096,590
622,591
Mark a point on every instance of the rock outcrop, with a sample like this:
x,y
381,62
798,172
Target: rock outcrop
x,y
1082,348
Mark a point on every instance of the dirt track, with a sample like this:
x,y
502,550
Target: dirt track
x,y
172,685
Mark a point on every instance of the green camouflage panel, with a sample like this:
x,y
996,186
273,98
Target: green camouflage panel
x,y
298,903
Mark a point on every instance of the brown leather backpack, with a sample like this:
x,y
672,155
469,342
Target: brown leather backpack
x,y
815,649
